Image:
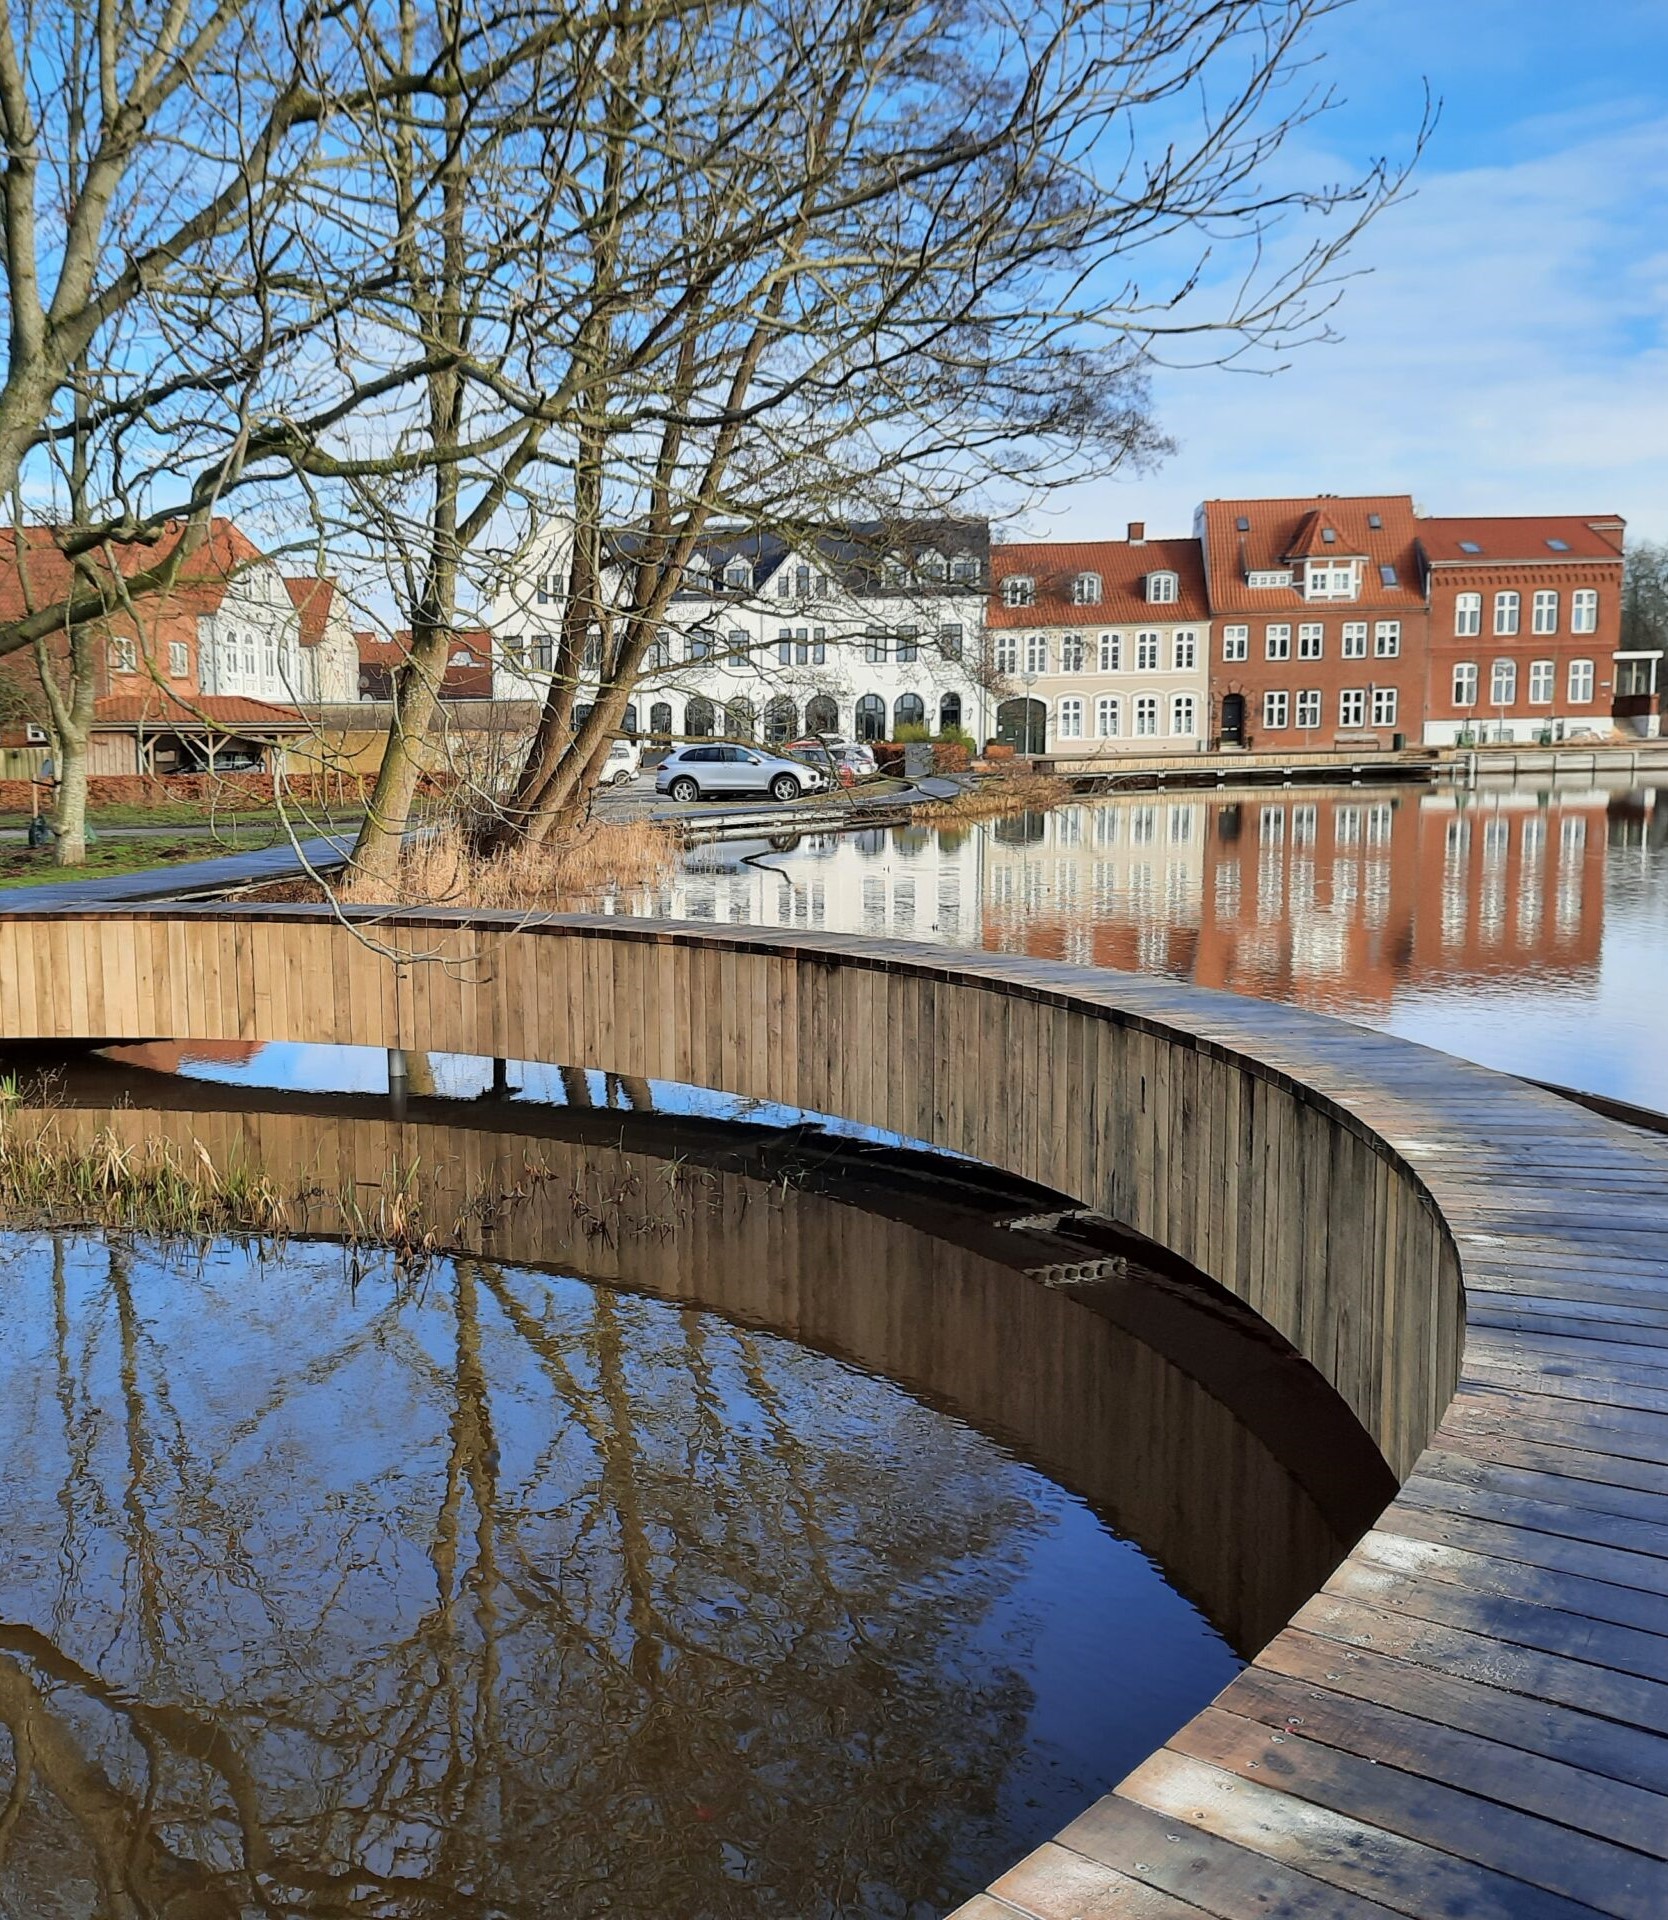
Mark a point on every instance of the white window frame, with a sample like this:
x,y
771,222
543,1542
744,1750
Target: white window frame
x,y
1184,715
1163,589
1508,612
124,653
1307,709
1466,683
1352,707
1277,640
1109,715
1111,652
1019,590
1184,650
1502,682
1085,590
1387,639
1072,653
1543,610
1068,718
1236,642
1276,709
1148,651
1468,615
1005,652
1330,580
1581,680
1543,678
1353,644
1584,610
1036,653
1146,710
1386,702
1311,639
179,660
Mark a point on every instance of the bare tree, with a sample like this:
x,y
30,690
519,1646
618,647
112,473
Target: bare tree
x,y
892,270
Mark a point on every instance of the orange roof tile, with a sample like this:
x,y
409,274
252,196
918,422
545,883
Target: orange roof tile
x,y
1123,567
1277,532
312,599
155,708
44,576
1522,538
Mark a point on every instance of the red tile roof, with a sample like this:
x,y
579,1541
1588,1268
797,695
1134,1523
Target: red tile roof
x,y
204,576
156,709
468,674
1123,567
1279,532
1522,538
313,599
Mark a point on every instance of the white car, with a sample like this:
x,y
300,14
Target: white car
x,y
694,772
624,763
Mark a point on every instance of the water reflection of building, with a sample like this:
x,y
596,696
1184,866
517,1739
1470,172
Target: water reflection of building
x,y
1331,900
900,883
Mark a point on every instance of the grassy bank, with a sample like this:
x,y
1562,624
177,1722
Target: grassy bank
x,y
37,867
993,797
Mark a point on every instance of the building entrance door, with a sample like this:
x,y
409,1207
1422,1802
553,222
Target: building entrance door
x,y
1023,725
1233,720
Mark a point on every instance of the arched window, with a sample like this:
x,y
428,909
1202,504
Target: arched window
x,y
949,712
1161,588
908,710
871,717
660,720
1085,590
1182,714
738,720
628,719
822,714
1108,717
781,720
698,718
1146,714
1068,719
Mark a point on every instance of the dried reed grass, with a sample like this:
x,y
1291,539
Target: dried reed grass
x,y
445,869
995,796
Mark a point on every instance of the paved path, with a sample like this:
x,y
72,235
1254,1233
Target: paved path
x,y
178,878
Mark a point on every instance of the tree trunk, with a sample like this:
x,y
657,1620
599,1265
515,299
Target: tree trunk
x,y
69,816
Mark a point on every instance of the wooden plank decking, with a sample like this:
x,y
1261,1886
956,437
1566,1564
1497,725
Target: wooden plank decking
x,y
1471,1718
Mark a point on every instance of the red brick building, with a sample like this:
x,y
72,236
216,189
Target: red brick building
x,y
1525,632
1318,619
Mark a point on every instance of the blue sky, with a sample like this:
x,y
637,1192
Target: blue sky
x,y
1505,346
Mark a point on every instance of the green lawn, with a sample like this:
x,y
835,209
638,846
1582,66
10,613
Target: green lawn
x,y
27,867
187,813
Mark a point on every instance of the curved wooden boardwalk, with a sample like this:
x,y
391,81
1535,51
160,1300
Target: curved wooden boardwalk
x,y
1469,1718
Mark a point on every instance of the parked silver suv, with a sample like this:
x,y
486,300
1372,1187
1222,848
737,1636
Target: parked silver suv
x,y
693,772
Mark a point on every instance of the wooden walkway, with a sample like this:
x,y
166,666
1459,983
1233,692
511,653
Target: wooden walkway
x,y
1471,1718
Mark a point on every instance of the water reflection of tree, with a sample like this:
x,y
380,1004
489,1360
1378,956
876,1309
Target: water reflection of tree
x,y
502,1596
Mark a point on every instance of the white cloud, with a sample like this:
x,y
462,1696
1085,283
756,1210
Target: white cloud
x,y
1507,352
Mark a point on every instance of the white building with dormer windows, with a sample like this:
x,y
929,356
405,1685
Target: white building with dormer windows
x,y
859,631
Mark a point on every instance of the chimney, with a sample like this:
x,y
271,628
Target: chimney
x,y
1138,533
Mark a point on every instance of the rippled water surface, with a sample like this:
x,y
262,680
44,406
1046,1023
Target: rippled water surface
x,y
1523,927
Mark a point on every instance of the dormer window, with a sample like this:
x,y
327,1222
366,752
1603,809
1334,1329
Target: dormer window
x,y
1269,577
1161,589
964,570
934,566
1085,590
738,574
1330,580
1019,590
895,574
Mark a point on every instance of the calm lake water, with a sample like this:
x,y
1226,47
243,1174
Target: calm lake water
x,y
633,1568
1523,927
